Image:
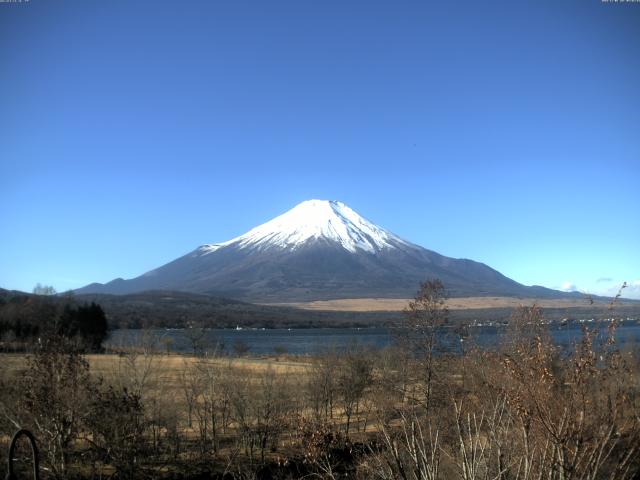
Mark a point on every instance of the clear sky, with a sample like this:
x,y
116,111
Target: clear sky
x,y
503,131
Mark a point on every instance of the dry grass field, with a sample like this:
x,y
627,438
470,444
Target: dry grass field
x,y
466,303
168,369
182,395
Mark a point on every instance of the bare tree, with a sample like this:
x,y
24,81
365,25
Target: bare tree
x,y
196,334
190,388
423,316
240,347
261,411
321,384
270,409
354,375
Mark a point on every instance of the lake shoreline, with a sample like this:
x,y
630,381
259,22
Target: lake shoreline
x,y
304,341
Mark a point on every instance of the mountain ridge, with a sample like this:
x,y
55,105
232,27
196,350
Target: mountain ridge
x,y
319,250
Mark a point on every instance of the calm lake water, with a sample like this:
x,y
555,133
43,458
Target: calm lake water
x,y
309,341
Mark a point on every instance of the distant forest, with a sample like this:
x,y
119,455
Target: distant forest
x,y
30,318
24,315
87,317
180,309
161,309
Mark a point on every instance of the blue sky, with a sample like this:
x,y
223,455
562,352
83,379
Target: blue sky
x,y
133,131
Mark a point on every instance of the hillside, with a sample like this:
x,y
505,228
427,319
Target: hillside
x,y
320,250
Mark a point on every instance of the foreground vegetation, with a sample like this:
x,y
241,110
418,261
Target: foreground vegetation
x,y
524,410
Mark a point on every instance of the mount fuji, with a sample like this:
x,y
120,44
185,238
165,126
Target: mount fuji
x,y
319,250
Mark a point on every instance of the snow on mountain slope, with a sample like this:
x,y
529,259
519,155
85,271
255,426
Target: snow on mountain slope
x,y
312,220
318,250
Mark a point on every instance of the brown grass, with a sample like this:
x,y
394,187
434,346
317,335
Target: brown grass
x,y
169,368
465,303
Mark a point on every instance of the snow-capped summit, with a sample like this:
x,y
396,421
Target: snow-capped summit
x,y
329,220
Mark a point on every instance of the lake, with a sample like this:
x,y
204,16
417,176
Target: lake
x,y
314,340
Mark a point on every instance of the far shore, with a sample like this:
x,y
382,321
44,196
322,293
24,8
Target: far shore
x,y
464,303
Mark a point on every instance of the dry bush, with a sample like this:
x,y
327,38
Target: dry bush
x,y
55,393
116,424
563,415
526,410
323,448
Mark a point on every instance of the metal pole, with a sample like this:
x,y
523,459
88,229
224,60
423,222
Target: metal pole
x,y
34,451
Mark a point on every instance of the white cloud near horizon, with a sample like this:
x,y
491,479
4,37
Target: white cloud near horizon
x,y
568,286
632,290
611,289
606,287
